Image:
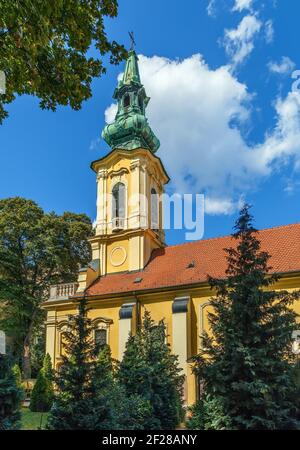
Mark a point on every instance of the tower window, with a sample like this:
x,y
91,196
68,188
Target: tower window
x,y
126,101
154,210
118,206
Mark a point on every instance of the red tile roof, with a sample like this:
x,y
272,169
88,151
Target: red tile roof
x,y
168,266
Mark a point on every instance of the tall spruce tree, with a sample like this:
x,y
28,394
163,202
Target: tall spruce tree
x,y
10,396
78,404
246,362
149,370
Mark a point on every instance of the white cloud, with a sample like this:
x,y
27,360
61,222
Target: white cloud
x,y
211,8
239,42
94,145
240,5
286,65
198,114
269,31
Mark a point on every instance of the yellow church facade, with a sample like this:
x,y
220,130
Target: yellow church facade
x,y
132,268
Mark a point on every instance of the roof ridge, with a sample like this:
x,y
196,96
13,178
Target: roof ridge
x,y
229,235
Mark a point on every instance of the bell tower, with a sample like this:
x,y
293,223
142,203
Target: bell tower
x,y
130,182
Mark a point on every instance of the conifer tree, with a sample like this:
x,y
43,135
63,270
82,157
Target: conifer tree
x,y
42,394
78,404
47,367
10,396
246,362
149,370
120,411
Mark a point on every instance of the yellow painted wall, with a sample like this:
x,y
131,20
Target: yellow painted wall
x,y
160,307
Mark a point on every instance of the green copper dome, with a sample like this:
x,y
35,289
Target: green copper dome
x,y
130,129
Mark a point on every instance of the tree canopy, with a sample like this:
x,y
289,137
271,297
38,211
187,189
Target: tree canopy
x,y
54,49
36,249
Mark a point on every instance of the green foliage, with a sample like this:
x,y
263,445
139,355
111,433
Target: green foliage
x,y
47,367
43,394
37,350
44,47
10,396
32,420
17,373
246,362
149,370
89,393
32,259
129,412
207,414
81,401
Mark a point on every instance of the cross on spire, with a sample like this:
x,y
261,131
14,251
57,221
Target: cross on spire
x,y
131,35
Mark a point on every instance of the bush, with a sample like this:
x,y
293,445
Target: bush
x,y
10,396
42,394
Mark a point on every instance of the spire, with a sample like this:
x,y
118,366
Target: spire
x,y
130,129
131,69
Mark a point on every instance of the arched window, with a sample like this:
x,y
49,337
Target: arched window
x,y
118,206
100,337
126,101
154,210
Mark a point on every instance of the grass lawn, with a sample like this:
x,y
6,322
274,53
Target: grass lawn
x,y
32,420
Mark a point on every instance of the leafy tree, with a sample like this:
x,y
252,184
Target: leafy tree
x,y
149,370
30,260
42,394
10,396
45,49
80,404
246,362
37,350
18,376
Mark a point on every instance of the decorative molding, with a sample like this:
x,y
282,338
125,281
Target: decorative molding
x,y
62,324
180,305
118,173
101,174
102,320
135,164
117,264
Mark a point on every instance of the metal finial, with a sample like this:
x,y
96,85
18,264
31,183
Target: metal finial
x,y
131,35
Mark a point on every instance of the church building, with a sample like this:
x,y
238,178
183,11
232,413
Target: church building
x,y
132,268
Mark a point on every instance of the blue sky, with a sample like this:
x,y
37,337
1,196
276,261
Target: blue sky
x,y
228,120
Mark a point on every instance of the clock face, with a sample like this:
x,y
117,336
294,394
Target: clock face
x,y
118,256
